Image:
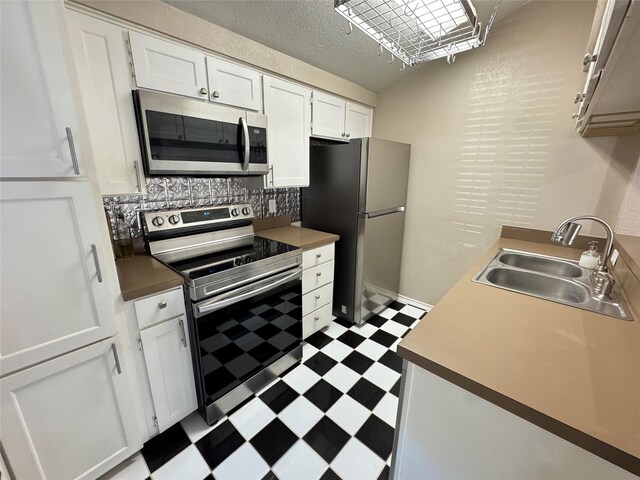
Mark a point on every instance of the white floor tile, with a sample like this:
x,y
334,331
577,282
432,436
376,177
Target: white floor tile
x,y
382,376
336,350
371,349
341,377
243,464
301,378
394,328
133,468
195,426
365,330
252,418
349,414
187,465
388,313
412,311
308,351
394,345
356,462
387,409
334,330
301,461
300,415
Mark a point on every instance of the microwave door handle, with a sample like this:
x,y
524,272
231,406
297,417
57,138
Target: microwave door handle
x,y
247,150
240,294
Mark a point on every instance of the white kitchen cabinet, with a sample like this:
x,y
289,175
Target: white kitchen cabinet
x,y
233,84
339,119
288,107
167,355
102,61
168,67
54,298
317,288
70,417
38,114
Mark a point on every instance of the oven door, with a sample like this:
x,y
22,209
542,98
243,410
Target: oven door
x,y
243,331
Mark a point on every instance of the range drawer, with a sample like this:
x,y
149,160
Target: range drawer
x,y
316,256
317,298
315,277
316,320
158,308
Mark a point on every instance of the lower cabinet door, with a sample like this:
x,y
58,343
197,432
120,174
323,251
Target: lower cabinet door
x,y
170,370
70,417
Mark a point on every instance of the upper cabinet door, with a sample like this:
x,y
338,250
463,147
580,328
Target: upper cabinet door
x,y
358,121
38,115
234,84
328,114
168,67
102,60
54,298
288,108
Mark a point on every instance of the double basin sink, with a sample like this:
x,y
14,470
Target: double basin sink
x,y
556,279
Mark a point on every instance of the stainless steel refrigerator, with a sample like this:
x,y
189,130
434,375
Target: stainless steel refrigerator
x,y
358,190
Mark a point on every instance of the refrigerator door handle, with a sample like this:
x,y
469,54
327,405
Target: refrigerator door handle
x,y
379,213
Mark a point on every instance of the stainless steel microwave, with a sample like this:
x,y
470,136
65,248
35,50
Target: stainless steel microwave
x,y
180,136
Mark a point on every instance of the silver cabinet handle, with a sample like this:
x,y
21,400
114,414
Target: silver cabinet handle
x,y
348,135
316,318
136,166
72,149
215,94
247,145
162,305
96,261
272,175
116,358
318,255
318,274
184,334
203,91
317,297
343,134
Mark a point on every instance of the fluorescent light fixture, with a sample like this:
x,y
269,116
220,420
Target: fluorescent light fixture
x,y
416,31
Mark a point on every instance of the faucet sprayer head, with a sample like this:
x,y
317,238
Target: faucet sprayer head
x,y
566,233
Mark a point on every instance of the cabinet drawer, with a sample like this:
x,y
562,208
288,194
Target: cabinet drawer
x,y
317,298
316,256
316,320
315,277
160,307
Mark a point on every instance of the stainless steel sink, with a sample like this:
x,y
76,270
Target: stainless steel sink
x,y
556,279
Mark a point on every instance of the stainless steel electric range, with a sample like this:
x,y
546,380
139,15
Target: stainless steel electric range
x,y
244,297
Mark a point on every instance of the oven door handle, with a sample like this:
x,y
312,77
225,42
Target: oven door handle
x,y
247,144
239,294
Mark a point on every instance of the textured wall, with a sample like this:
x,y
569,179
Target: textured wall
x,y
629,220
493,143
186,192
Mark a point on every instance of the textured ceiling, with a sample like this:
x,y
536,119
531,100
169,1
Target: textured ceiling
x,y
311,31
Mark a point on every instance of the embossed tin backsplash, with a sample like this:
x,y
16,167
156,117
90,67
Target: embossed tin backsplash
x,y
188,192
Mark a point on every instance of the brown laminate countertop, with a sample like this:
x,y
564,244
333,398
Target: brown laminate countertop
x,y
143,275
570,371
304,238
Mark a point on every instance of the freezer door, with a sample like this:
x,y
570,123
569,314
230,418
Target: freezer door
x,y
384,174
379,258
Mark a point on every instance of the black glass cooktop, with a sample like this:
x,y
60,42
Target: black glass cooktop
x,y
204,265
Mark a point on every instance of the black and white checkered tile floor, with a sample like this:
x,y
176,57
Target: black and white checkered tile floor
x,y
331,417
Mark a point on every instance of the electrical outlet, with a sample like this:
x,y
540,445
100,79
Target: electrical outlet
x,y
272,205
614,257
344,309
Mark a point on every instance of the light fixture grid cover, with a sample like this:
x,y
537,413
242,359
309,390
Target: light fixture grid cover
x,y
415,30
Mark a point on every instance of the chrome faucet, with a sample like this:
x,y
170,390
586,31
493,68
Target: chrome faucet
x,y
566,233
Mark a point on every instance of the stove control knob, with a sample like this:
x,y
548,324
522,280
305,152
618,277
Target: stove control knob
x,y
246,211
158,221
235,212
237,262
173,219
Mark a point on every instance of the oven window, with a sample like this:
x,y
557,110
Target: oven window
x,y
182,138
240,340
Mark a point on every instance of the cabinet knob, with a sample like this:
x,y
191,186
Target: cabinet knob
x,y
318,274
574,115
203,91
588,58
316,318
162,305
579,97
318,255
343,134
348,135
215,94
317,297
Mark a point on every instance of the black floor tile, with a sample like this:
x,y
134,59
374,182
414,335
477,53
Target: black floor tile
x,y
320,363
323,395
351,339
405,320
366,393
319,340
384,475
344,323
396,305
330,475
273,441
218,444
327,438
209,477
279,396
392,360
377,321
270,476
357,362
383,338
395,390
163,447
377,435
